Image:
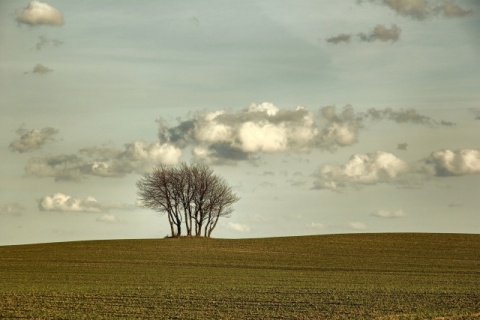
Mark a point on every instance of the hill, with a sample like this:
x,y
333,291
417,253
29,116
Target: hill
x,y
353,276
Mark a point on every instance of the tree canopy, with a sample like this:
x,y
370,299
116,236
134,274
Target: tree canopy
x,y
191,195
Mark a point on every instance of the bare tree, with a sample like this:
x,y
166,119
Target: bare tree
x,y
190,195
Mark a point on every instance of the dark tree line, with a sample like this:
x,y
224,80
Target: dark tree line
x,y
190,195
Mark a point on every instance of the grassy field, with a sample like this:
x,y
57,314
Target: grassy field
x,y
356,276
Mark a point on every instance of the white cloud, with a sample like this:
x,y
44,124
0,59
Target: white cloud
x,y
362,169
222,137
357,225
108,218
12,209
210,131
41,69
389,214
239,227
142,155
33,139
262,137
265,107
39,13
63,203
60,202
135,157
453,163
384,167
315,225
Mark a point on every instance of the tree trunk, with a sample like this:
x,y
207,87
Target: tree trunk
x,y
170,221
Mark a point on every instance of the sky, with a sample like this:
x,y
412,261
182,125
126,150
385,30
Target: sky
x,y
324,116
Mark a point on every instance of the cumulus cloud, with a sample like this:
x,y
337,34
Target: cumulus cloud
x,y
343,37
381,33
32,140
135,157
41,69
39,13
222,137
389,214
361,169
421,9
384,167
12,209
60,202
453,163
239,227
219,136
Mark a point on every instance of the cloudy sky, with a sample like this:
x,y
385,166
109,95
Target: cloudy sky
x,y
324,116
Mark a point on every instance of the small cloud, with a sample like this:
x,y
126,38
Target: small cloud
x,y
402,146
296,182
357,225
422,9
60,202
448,123
388,214
453,163
475,112
343,37
239,227
455,204
399,116
32,140
39,13
41,69
451,10
195,21
43,41
108,218
362,169
381,33
315,225
12,209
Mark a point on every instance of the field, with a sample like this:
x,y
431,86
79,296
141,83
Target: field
x,y
356,276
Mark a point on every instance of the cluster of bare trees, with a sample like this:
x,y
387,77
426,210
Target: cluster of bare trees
x,y
190,195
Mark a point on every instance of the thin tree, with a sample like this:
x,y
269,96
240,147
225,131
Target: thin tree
x,y
190,195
